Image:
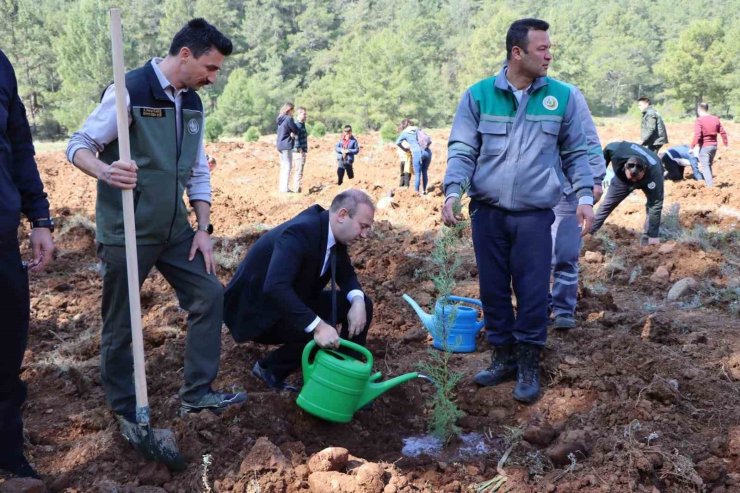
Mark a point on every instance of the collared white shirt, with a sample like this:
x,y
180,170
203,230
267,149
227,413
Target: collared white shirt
x,y
518,93
330,242
101,128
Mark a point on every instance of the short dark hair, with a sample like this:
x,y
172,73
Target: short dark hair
x,y
347,128
704,106
350,199
644,99
199,37
518,34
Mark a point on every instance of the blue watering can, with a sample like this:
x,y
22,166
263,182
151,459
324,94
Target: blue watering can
x,y
461,330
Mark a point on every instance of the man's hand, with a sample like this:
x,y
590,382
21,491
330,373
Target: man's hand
x,y
448,214
357,317
43,248
598,192
120,174
202,242
325,335
653,241
585,215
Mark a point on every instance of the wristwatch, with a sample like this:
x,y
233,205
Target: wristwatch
x,y
208,228
46,222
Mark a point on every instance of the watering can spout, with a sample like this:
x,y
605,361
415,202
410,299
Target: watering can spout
x,y
374,389
426,319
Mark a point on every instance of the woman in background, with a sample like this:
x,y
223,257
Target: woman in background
x,y
418,142
286,131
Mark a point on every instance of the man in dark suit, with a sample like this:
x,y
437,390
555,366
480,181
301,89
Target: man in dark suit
x,y
277,295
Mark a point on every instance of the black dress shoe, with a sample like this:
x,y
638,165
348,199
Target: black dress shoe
x,y
19,467
271,380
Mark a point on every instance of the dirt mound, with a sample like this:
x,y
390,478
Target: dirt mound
x,y
643,396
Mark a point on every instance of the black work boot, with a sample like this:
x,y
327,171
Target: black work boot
x,y
503,367
528,372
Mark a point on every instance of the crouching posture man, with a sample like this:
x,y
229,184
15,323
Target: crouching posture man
x,y
634,167
277,295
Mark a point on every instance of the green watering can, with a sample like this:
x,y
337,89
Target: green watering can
x,y
335,385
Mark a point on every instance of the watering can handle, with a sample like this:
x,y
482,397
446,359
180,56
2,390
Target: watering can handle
x,y
308,364
360,349
472,301
307,367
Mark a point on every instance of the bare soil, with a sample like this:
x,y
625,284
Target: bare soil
x,y
644,395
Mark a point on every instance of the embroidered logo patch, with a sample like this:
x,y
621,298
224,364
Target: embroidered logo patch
x,y
152,112
651,185
193,126
550,103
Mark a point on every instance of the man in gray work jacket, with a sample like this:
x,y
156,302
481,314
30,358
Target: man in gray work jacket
x,y
515,139
166,132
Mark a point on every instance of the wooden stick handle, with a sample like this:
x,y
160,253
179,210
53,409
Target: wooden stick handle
x,y
129,223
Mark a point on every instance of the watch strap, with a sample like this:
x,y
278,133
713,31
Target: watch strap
x,y
43,223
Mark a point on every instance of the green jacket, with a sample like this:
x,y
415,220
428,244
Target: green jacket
x,y
164,171
652,129
518,156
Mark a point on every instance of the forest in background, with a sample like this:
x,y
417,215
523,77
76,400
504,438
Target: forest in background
x,y
372,62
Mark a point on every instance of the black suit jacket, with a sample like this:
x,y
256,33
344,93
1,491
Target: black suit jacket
x,y
281,273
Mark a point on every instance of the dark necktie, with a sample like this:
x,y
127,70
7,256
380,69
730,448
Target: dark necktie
x,y
333,267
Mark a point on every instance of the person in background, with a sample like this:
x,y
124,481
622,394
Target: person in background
x,y
22,193
675,159
286,130
706,128
346,150
566,234
634,167
406,161
653,134
211,163
300,148
418,142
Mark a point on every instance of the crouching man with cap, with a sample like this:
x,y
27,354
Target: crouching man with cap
x,y
634,167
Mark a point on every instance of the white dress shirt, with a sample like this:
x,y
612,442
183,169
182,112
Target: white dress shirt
x,y
101,128
330,242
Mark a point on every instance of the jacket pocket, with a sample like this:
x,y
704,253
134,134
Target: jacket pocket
x,y
550,132
493,137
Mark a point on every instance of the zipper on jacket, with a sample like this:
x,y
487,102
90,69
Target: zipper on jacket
x,y
177,169
517,119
